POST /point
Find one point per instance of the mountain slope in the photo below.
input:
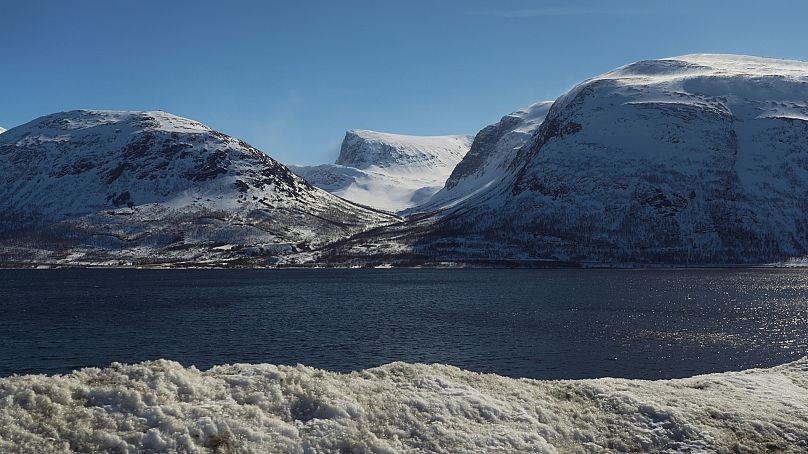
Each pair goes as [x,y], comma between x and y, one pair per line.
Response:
[388,171]
[94,186]
[491,157]
[693,159]
[2,130]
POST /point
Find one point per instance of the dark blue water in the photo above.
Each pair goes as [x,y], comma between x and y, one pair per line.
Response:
[524,323]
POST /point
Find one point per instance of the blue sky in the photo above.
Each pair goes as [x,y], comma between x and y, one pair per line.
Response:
[290,77]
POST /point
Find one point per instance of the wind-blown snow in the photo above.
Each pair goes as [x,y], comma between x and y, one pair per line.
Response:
[388,171]
[162,407]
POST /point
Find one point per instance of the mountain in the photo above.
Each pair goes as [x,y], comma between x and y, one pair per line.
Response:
[108,187]
[698,159]
[491,156]
[2,130]
[388,171]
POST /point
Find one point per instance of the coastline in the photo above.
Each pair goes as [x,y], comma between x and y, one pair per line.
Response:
[437,266]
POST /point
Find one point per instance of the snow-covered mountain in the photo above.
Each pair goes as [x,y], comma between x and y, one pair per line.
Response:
[2,129]
[388,171]
[692,159]
[491,157]
[100,186]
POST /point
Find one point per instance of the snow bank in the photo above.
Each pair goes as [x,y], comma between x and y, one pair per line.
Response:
[161,406]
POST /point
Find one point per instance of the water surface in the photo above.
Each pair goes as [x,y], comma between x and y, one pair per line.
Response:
[522,323]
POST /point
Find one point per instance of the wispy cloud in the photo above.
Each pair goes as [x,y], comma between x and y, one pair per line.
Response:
[555,11]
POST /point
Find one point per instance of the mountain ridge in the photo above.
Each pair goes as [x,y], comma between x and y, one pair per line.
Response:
[694,160]
[699,159]
[128,186]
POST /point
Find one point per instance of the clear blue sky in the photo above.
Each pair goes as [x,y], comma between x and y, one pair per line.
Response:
[291,76]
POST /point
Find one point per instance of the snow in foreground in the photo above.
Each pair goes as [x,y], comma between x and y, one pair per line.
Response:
[162,406]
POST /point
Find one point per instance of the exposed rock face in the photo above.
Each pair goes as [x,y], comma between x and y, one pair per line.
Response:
[97,186]
[388,171]
[694,159]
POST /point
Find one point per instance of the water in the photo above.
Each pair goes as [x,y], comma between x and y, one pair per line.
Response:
[522,323]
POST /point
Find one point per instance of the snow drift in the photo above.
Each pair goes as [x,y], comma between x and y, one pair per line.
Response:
[161,406]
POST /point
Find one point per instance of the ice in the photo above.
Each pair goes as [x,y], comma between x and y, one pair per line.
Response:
[161,406]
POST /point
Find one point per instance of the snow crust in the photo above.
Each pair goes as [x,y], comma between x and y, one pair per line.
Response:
[161,406]
[388,171]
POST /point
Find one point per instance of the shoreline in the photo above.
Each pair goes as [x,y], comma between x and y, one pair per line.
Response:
[529,265]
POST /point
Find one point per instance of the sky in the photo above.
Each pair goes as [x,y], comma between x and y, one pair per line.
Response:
[290,77]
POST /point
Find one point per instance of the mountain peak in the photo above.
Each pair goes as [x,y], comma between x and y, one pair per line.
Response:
[363,148]
[132,121]
[708,65]
[118,184]
[92,157]
[389,171]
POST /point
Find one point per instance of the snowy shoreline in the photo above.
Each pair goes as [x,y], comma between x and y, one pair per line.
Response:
[443,266]
[161,406]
